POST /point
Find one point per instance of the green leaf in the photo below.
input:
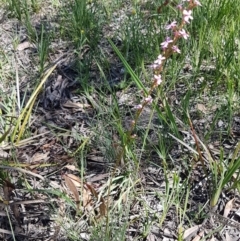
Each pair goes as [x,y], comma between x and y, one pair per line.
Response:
[128,67]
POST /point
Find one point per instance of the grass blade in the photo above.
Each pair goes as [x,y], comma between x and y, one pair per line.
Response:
[128,67]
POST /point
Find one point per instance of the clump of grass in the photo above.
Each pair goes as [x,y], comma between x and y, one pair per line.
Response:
[43,48]
[15,8]
[83,28]
[21,9]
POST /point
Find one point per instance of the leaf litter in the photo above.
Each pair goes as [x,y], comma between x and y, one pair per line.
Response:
[46,163]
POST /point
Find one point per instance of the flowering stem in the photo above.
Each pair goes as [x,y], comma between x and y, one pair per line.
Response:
[169,47]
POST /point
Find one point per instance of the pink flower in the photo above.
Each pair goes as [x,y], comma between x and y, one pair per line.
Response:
[166,43]
[148,99]
[157,79]
[138,107]
[159,59]
[176,49]
[180,6]
[183,33]
[187,15]
[157,63]
[154,66]
[172,25]
[196,2]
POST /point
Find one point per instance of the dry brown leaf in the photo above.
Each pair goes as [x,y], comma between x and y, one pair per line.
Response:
[97,177]
[213,108]
[87,199]
[199,236]
[93,191]
[71,167]
[8,187]
[15,210]
[73,189]
[48,145]
[95,158]
[30,201]
[65,158]
[5,231]
[76,180]
[22,170]
[124,197]
[191,231]
[102,205]
[37,157]
[201,108]
[228,207]
[25,45]
[76,105]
